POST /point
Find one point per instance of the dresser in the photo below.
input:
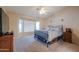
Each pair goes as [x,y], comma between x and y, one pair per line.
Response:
[6,43]
[67,36]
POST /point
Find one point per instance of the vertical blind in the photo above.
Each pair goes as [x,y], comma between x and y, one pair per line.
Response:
[28,25]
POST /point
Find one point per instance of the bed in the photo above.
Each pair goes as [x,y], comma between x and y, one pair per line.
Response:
[53,34]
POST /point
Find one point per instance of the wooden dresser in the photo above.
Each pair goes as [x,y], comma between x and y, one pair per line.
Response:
[6,43]
[67,36]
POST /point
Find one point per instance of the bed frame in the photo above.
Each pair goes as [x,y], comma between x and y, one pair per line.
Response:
[43,37]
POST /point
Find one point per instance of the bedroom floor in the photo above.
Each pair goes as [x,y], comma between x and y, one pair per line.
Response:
[29,44]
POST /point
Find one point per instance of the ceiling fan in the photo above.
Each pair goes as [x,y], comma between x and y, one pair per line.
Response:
[42,10]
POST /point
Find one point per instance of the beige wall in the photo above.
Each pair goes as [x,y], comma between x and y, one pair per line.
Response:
[43,23]
[70,16]
[13,19]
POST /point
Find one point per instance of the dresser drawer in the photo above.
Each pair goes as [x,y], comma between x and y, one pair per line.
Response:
[6,43]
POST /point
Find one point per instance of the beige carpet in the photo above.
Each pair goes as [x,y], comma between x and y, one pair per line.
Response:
[29,44]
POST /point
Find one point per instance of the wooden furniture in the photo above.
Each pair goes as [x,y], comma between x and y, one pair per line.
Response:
[6,43]
[67,36]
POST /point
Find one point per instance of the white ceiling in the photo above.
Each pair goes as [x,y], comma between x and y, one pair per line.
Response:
[32,10]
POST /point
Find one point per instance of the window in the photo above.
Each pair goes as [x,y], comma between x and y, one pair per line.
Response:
[37,25]
[28,26]
[20,25]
